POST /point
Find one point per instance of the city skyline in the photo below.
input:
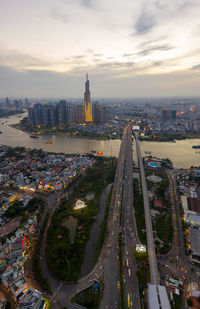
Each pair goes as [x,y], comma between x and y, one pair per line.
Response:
[129,49]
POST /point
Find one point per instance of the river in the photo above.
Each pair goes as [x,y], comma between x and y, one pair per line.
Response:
[180,153]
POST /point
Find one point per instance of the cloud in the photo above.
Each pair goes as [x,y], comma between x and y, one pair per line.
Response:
[115,65]
[86,3]
[49,84]
[56,15]
[196,67]
[145,22]
[22,61]
[154,48]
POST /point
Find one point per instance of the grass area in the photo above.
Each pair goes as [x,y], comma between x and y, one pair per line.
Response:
[164,230]
[63,257]
[139,211]
[143,275]
[88,298]
[36,267]
[122,296]
[102,233]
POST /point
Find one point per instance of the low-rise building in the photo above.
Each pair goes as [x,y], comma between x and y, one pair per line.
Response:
[18,286]
[31,299]
[2,301]
[193,220]
[194,235]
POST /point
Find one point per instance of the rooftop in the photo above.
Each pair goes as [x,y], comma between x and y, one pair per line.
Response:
[193,218]
[157,297]
[193,204]
[195,240]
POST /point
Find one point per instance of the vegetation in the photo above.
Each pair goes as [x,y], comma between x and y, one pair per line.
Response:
[177,301]
[17,208]
[189,301]
[35,203]
[48,305]
[36,267]
[75,131]
[169,137]
[102,233]
[162,220]
[139,211]
[143,275]
[164,231]
[6,113]
[8,305]
[65,258]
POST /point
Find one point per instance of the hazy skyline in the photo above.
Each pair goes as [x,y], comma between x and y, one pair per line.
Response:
[129,48]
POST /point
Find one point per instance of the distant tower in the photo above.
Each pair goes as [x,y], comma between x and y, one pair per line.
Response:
[87,102]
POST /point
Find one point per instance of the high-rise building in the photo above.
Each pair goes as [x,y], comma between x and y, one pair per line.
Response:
[87,102]
[99,113]
[173,114]
[166,115]
[79,113]
[62,112]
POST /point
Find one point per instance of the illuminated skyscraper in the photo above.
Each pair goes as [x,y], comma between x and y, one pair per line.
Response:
[87,102]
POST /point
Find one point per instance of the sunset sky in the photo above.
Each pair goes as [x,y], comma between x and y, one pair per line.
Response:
[129,48]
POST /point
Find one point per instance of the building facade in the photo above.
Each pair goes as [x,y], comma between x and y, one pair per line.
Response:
[87,102]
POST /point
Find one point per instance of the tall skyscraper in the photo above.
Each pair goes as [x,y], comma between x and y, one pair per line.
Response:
[87,102]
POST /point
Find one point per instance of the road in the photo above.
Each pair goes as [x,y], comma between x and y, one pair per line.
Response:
[111,295]
[88,262]
[149,230]
[122,205]
[107,266]
[129,229]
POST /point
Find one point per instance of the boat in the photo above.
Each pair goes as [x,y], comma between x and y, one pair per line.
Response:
[48,142]
[147,152]
[33,136]
[196,146]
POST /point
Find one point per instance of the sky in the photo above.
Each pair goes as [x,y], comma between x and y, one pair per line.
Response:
[129,48]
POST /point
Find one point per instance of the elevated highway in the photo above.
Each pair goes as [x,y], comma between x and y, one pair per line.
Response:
[121,220]
[149,230]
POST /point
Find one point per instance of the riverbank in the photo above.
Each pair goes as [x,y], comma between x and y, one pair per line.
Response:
[180,153]
[69,133]
[170,137]
[6,113]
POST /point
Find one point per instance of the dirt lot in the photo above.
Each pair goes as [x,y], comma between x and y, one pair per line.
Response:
[10,226]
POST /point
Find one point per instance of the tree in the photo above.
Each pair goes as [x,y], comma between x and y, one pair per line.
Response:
[8,305]
[189,301]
